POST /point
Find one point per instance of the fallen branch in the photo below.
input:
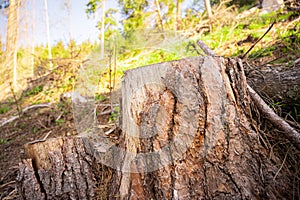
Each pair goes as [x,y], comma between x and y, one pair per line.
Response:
[41,140]
[23,111]
[243,56]
[205,48]
[290,133]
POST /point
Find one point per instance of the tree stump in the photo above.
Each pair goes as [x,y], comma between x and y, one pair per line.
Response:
[186,133]
[58,168]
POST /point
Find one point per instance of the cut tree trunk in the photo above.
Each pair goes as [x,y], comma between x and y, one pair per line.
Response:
[56,169]
[277,83]
[186,133]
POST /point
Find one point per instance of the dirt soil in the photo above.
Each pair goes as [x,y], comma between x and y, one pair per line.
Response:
[54,121]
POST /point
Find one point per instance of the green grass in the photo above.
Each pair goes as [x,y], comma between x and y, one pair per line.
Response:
[34,91]
[59,122]
[3,141]
[4,109]
[114,114]
[99,97]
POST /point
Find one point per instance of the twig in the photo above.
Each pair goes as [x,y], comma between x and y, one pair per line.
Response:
[243,56]
[16,100]
[194,47]
[205,48]
[10,195]
[107,105]
[6,184]
[36,106]
[41,140]
[281,165]
[59,116]
[110,131]
[290,133]
[106,112]
[23,111]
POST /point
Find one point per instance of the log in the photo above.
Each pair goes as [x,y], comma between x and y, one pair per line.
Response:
[281,84]
[185,133]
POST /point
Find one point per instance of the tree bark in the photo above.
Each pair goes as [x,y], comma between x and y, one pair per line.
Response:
[178,15]
[280,84]
[208,8]
[48,35]
[185,134]
[159,16]
[193,122]
[12,38]
[56,169]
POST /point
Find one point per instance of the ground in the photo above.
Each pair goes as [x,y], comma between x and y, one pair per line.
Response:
[56,120]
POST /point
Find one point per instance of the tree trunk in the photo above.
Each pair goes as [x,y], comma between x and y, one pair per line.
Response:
[33,39]
[277,83]
[208,8]
[56,169]
[178,14]
[48,35]
[102,29]
[159,16]
[185,134]
[12,38]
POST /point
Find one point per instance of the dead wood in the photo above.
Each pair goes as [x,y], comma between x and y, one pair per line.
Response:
[205,48]
[192,113]
[24,111]
[279,83]
[245,54]
[290,133]
[185,134]
[56,169]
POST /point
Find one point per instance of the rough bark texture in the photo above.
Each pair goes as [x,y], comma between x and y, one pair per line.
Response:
[278,83]
[186,134]
[194,113]
[56,169]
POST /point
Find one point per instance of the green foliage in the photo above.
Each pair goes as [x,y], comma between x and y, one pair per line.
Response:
[296,112]
[241,3]
[4,109]
[135,14]
[59,51]
[92,6]
[59,122]
[34,130]
[145,47]
[110,24]
[3,141]
[114,114]
[99,97]
[291,39]
[34,90]
[268,51]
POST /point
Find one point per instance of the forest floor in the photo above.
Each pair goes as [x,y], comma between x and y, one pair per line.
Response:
[56,118]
